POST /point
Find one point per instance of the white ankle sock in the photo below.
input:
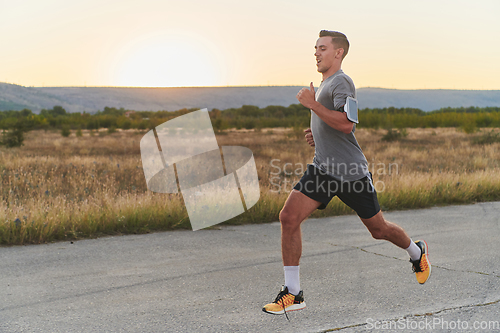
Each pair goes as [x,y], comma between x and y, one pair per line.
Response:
[414,251]
[292,279]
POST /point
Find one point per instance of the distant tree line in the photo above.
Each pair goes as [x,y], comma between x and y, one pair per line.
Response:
[15,123]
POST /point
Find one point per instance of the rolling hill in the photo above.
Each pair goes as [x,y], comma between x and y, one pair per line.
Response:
[92,99]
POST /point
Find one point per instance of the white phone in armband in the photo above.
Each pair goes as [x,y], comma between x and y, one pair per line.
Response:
[351,109]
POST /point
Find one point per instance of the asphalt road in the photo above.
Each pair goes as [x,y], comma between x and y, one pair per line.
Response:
[218,280]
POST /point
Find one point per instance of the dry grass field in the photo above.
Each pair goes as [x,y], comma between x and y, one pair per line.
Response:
[56,188]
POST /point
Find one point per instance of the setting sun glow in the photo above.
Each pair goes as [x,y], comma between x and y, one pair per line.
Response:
[167,60]
[155,43]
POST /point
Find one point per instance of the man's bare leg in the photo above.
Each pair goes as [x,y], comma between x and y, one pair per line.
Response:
[297,208]
[380,228]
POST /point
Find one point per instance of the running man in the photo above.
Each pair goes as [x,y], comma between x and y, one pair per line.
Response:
[339,168]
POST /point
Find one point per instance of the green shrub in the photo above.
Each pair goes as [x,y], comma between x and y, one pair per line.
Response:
[394,135]
[65,131]
[469,127]
[12,138]
[15,136]
[486,138]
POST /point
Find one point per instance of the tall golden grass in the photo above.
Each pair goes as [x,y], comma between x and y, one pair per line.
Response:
[56,188]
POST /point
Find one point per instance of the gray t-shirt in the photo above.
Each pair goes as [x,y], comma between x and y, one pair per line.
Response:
[336,153]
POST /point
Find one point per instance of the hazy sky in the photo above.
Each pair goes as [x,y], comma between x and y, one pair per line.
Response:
[394,44]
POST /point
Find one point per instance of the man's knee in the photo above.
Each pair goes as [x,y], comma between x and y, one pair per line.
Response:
[380,229]
[378,226]
[288,219]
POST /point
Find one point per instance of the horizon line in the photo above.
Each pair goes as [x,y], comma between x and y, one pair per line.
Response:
[240,86]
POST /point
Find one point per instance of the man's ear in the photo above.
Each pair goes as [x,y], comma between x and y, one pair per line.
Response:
[339,53]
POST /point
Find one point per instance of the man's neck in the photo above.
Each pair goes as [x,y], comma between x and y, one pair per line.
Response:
[332,70]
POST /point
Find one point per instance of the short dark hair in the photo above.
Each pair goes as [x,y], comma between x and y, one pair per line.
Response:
[339,40]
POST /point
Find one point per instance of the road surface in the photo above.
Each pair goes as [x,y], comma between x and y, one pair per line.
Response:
[218,280]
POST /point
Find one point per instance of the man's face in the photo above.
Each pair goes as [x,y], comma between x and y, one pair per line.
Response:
[325,53]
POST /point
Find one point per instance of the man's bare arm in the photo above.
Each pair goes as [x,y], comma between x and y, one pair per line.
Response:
[334,119]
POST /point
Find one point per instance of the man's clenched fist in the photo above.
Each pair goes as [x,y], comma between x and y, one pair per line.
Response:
[306,97]
[309,137]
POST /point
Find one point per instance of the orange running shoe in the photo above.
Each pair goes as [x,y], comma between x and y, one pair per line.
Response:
[422,266]
[285,302]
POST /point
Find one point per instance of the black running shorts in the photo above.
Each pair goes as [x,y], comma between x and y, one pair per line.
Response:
[360,194]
